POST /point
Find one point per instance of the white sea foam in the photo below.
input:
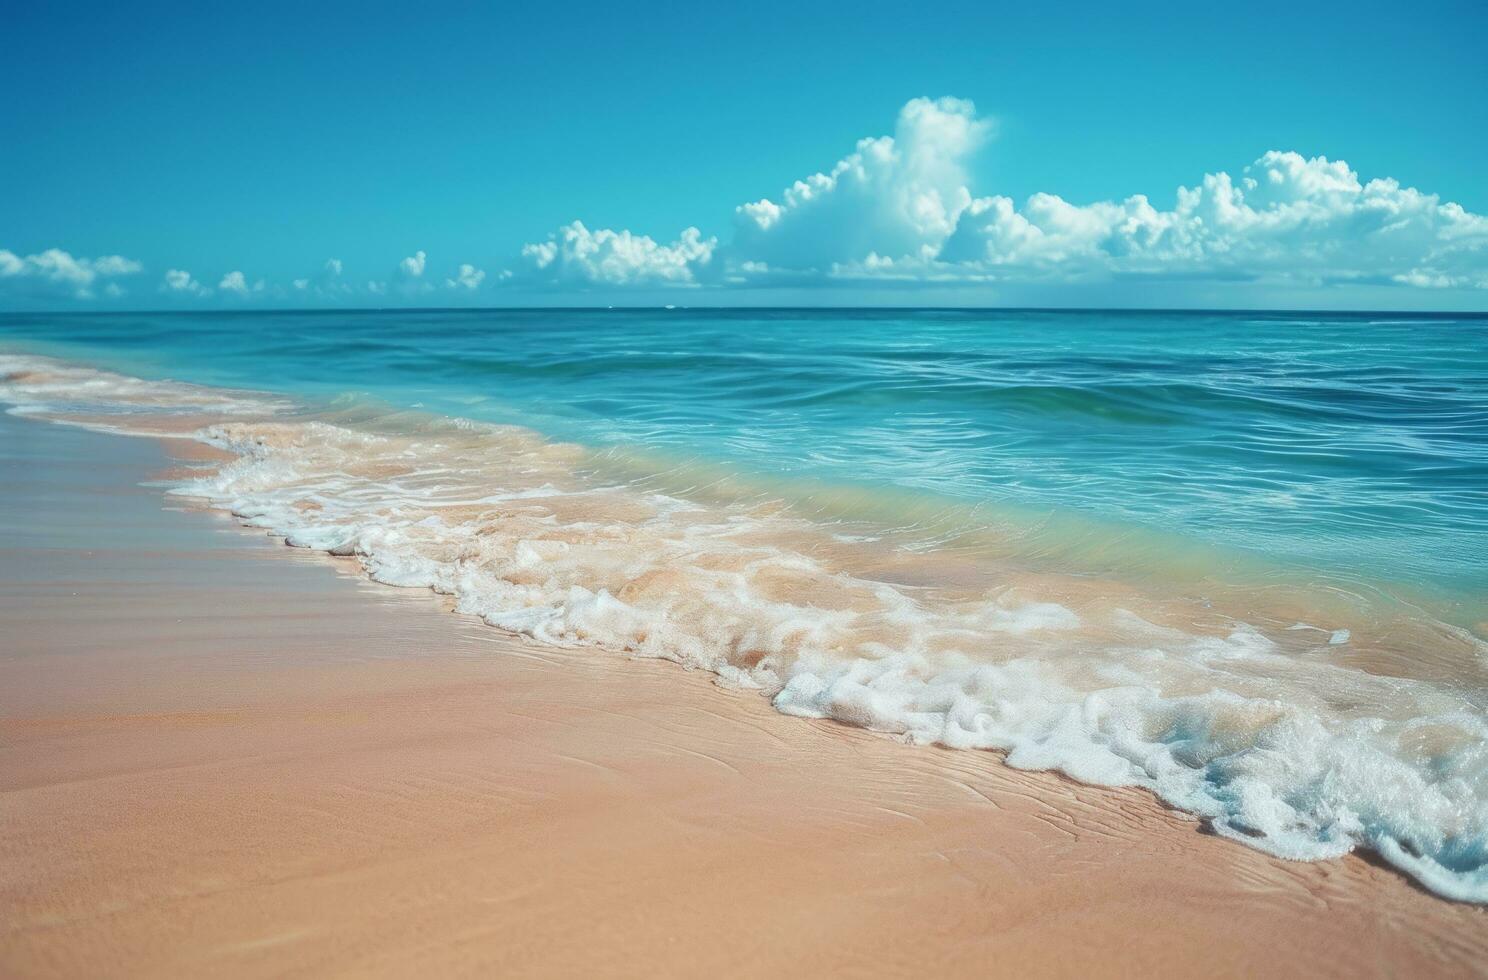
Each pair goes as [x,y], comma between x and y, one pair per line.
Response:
[1265,732]
[115,402]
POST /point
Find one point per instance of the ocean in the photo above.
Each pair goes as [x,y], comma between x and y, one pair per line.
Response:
[1240,559]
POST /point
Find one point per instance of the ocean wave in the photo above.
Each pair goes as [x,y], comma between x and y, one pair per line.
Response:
[1304,741]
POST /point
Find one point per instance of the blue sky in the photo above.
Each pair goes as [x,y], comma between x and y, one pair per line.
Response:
[325,144]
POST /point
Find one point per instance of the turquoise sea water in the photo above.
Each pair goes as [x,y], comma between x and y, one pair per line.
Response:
[1237,559]
[1336,445]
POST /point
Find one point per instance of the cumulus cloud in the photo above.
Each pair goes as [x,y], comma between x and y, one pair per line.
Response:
[407,278]
[1288,218]
[236,284]
[897,195]
[469,278]
[179,282]
[574,254]
[413,265]
[56,273]
[901,208]
[325,283]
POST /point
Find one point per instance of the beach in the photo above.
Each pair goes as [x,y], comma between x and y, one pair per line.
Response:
[221,755]
[489,492]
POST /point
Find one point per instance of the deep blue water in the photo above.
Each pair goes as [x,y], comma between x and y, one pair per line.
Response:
[1354,445]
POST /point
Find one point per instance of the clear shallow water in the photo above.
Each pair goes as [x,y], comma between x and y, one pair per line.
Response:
[1355,444]
[1234,559]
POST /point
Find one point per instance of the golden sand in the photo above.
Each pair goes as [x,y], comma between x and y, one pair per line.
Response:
[219,756]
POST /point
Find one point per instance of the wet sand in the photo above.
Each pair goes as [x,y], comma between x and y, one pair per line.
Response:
[222,756]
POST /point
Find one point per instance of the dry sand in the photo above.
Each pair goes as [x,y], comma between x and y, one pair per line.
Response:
[222,756]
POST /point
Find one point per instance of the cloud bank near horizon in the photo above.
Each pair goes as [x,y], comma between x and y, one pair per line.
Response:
[55,272]
[900,211]
[900,208]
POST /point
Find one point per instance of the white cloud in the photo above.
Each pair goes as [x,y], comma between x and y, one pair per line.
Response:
[575,254]
[55,272]
[901,208]
[413,265]
[326,283]
[894,195]
[237,284]
[115,265]
[408,278]
[469,277]
[180,282]
[1287,219]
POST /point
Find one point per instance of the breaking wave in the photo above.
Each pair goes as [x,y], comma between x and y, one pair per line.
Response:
[1299,724]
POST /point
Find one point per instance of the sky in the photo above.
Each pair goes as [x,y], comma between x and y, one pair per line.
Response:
[1270,155]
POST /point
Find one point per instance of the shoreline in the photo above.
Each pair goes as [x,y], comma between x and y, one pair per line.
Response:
[223,754]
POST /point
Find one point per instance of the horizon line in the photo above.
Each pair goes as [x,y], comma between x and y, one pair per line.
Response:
[677,308]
